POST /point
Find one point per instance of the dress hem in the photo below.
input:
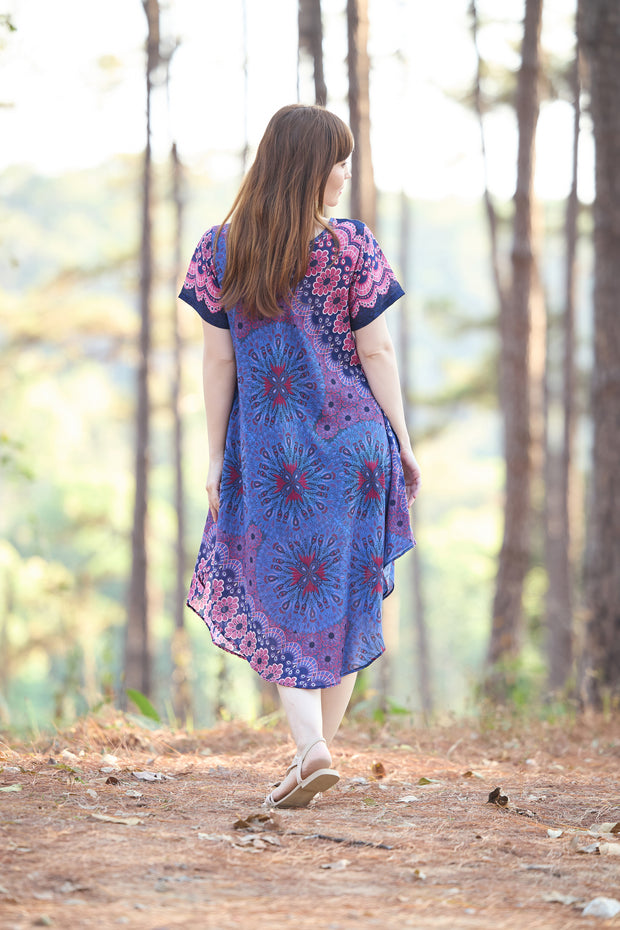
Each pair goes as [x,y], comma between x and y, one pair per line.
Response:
[275,681]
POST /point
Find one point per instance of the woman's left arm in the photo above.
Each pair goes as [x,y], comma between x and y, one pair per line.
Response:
[219,379]
[378,358]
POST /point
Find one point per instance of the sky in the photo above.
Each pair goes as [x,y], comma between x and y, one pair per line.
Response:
[72,88]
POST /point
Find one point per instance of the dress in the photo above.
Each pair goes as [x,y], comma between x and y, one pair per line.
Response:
[313,509]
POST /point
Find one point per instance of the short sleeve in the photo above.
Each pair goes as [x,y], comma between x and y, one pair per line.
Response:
[201,289]
[374,287]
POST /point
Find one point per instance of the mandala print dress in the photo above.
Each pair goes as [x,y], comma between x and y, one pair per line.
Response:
[313,507]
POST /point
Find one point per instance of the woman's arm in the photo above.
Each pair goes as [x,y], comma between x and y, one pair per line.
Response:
[378,358]
[219,379]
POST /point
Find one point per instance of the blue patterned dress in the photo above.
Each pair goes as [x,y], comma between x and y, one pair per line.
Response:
[313,509]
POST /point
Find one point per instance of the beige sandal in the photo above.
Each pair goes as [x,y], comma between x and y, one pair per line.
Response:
[306,788]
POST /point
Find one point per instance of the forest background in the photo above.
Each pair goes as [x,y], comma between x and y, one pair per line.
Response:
[103,442]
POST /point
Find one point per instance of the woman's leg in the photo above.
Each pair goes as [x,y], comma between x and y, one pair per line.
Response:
[303,708]
[334,703]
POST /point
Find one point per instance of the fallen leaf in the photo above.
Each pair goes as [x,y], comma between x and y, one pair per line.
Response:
[132,793]
[259,842]
[378,770]
[71,756]
[69,887]
[426,781]
[128,821]
[556,897]
[216,837]
[597,828]
[112,780]
[11,788]
[609,849]
[150,776]
[496,797]
[108,759]
[470,774]
[359,780]
[418,875]
[337,866]
[407,800]
[258,822]
[578,844]
[601,907]
[555,834]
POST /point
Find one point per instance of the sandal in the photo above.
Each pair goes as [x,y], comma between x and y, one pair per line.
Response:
[306,788]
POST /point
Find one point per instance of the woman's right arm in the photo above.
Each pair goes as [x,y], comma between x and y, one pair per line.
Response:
[378,358]
[219,376]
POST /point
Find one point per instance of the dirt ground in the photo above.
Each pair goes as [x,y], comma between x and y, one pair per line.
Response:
[408,838]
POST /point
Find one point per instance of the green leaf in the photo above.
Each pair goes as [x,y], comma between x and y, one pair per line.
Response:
[143,704]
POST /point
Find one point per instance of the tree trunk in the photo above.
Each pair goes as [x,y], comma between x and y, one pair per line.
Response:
[363,191]
[245,152]
[415,575]
[310,28]
[558,478]
[181,654]
[491,214]
[514,365]
[137,671]
[599,37]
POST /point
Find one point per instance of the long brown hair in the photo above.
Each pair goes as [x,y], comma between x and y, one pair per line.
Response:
[278,207]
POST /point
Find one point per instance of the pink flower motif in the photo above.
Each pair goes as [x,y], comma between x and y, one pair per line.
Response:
[336,301]
[200,601]
[326,281]
[288,682]
[341,323]
[247,646]
[237,627]
[225,608]
[218,587]
[260,660]
[273,672]
[349,342]
[317,262]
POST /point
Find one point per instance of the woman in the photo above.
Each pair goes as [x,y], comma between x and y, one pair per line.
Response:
[311,470]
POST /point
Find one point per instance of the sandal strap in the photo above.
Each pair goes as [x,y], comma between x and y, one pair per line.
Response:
[300,758]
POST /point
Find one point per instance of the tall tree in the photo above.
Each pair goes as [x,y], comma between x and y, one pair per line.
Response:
[599,37]
[137,665]
[363,191]
[310,28]
[415,574]
[515,325]
[559,458]
[182,698]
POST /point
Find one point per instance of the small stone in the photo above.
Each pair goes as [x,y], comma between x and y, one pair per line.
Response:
[601,907]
